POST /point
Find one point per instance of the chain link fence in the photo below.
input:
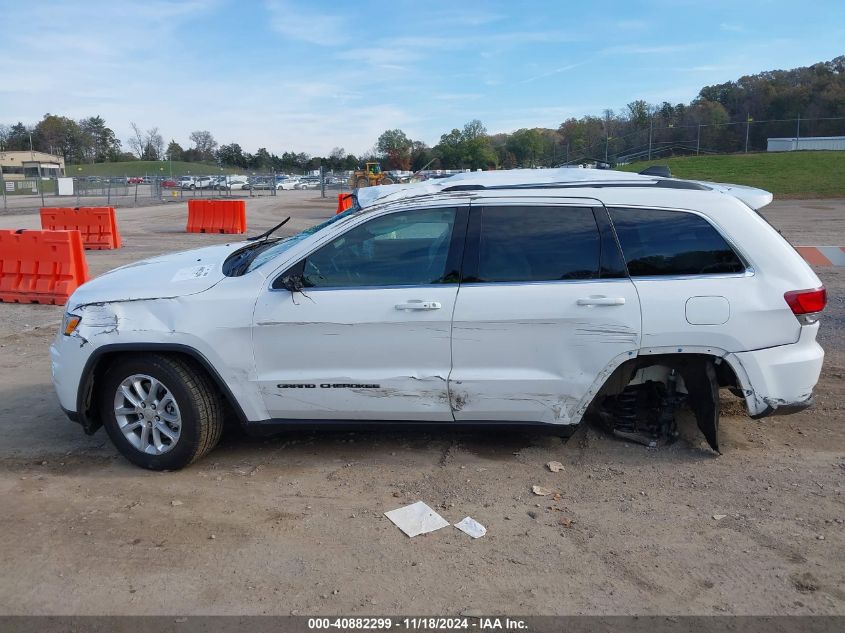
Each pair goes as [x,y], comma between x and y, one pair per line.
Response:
[655,140]
[148,190]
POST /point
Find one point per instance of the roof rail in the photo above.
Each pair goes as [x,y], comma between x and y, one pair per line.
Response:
[663,184]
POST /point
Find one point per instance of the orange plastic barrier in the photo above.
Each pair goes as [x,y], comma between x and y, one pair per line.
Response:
[97,225]
[344,202]
[41,266]
[216,216]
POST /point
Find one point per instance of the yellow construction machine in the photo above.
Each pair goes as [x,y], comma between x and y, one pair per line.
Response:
[370,176]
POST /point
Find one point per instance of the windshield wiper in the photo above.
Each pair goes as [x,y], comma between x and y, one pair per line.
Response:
[267,234]
[238,262]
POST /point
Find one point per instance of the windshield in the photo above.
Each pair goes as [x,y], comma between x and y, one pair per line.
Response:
[264,256]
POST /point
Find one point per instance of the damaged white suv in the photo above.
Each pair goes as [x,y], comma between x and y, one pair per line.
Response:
[501,297]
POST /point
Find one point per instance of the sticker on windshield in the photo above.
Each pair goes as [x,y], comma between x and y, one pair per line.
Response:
[194,272]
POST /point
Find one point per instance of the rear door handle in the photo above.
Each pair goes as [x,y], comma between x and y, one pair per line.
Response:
[601,301]
[419,305]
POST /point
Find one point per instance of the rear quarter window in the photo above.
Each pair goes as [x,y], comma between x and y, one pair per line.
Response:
[662,243]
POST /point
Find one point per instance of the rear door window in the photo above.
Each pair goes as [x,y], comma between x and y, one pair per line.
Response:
[663,243]
[527,243]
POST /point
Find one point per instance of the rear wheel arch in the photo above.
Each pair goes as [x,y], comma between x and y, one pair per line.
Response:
[625,372]
[702,375]
[99,363]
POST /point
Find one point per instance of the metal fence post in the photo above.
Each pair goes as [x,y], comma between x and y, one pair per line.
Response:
[650,132]
[136,194]
[3,185]
[747,128]
[108,200]
[322,182]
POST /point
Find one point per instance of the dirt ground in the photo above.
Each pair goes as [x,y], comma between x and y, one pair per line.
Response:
[294,524]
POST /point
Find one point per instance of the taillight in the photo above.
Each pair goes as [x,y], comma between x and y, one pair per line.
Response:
[806,301]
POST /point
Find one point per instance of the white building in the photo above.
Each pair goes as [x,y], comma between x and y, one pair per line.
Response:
[791,144]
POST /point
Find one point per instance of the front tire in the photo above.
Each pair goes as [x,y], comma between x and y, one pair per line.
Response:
[161,412]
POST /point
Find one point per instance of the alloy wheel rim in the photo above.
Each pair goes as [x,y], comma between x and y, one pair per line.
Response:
[147,414]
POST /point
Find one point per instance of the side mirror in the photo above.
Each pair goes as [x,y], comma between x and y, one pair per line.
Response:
[294,282]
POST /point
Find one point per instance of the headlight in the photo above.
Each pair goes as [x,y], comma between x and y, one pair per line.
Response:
[70,323]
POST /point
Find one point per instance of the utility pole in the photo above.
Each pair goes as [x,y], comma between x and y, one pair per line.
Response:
[698,141]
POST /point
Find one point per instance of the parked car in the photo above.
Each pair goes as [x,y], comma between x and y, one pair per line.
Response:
[308,182]
[620,295]
[169,183]
[232,183]
[262,182]
[134,180]
[187,182]
[286,182]
[205,182]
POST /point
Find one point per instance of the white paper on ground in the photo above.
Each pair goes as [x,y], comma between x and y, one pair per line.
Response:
[416,519]
[472,527]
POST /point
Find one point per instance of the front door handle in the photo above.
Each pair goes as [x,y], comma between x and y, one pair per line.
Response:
[601,301]
[418,304]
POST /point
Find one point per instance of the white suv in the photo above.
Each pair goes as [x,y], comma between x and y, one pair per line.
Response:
[531,296]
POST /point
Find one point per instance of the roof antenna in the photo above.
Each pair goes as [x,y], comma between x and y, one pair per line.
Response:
[657,170]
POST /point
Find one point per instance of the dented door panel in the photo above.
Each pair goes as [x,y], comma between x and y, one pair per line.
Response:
[351,354]
[529,350]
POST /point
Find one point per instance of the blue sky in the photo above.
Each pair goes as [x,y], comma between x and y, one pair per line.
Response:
[310,76]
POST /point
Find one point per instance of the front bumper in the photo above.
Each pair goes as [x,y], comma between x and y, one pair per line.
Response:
[68,355]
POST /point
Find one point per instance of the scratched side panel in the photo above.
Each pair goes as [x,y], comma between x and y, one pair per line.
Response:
[528,352]
[350,354]
[217,323]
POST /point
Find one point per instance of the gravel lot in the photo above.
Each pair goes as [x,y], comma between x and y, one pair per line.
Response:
[294,524]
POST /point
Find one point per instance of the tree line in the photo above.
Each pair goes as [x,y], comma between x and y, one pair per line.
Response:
[719,119]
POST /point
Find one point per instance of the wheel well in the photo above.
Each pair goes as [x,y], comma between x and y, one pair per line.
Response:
[697,377]
[625,373]
[93,379]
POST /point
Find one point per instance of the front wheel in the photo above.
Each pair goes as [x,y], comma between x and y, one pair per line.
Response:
[363,182]
[161,412]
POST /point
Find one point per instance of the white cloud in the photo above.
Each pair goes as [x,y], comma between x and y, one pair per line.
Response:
[634,49]
[380,56]
[296,21]
[549,73]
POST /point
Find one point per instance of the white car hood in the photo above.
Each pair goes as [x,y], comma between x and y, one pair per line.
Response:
[167,276]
